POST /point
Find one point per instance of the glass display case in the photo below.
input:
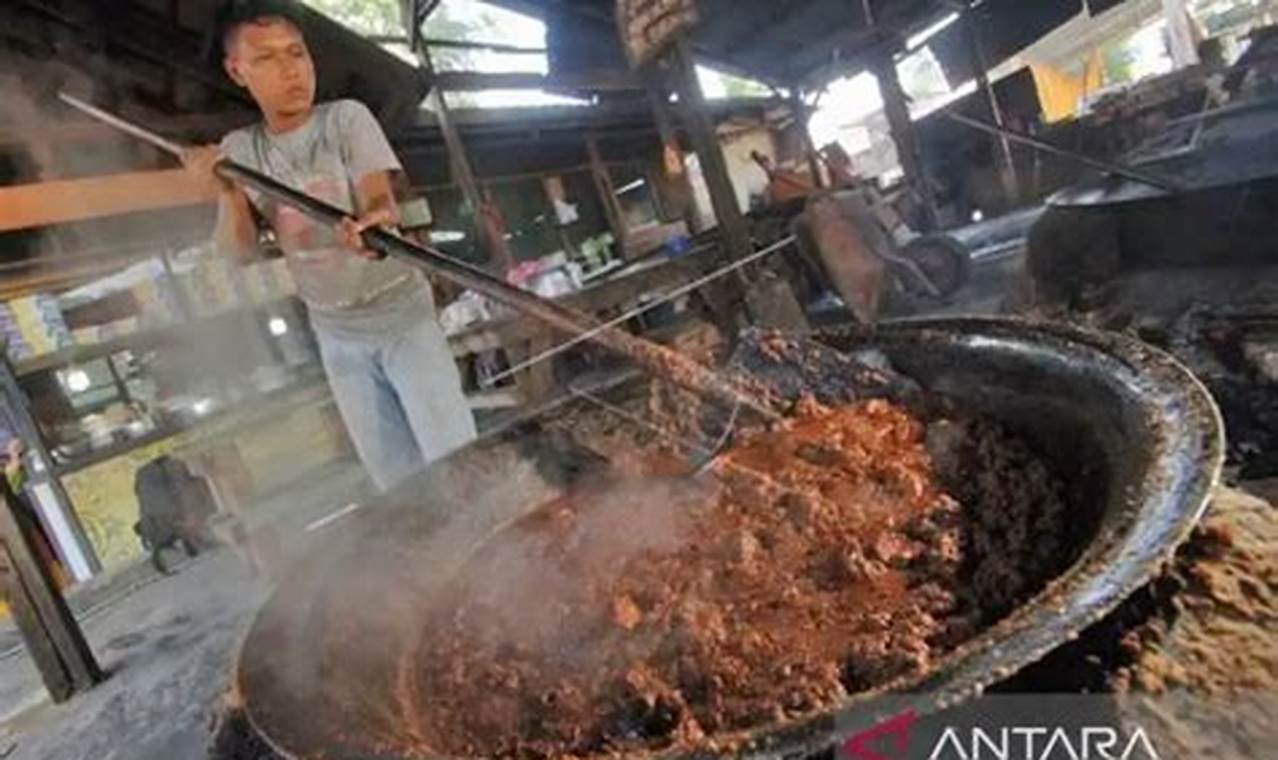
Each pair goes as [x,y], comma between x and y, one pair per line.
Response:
[94,402]
[156,349]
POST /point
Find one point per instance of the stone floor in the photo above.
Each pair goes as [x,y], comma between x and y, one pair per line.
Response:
[168,649]
[167,643]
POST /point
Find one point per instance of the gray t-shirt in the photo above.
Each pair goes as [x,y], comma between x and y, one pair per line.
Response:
[326,157]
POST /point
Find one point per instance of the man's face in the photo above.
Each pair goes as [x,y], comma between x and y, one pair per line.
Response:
[271,60]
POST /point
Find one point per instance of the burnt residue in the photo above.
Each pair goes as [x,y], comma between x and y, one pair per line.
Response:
[791,368]
[1213,341]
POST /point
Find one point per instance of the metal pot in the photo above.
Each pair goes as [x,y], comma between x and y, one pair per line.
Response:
[1134,430]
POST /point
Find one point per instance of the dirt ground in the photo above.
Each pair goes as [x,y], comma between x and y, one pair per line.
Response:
[167,649]
[1204,669]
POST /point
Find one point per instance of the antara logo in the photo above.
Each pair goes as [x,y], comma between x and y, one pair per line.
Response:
[1011,743]
[897,729]
[1042,743]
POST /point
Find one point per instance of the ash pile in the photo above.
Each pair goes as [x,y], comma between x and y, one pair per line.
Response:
[1223,325]
[1234,351]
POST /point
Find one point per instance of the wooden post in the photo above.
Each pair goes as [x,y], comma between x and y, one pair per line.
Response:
[802,116]
[652,175]
[462,172]
[732,223]
[50,631]
[897,110]
[1180,36]
[677,183]
[553,186]
[607,194]
[49,497]
[464,176]
[492,231]
[39,645]
[1007,162]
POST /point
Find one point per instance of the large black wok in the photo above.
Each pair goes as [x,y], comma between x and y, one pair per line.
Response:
[1135,433]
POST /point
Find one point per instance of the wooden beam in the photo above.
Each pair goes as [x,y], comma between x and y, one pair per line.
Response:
[506,179]
[802,118]
[601,80]
[506,119]
[1007,162]
[487,216]
[462,173]
[676,186]
[607,194]
[627,112]
[51,631]
[44,655]
[496,47]
[56,280]
[901,125]
[60,201]
[714,167]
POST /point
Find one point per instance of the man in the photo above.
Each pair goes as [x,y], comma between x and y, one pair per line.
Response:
[387,361]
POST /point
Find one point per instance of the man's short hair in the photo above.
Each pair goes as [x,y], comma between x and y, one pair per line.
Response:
[248,12]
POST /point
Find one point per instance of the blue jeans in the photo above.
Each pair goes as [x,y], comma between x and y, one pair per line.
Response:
[400,396]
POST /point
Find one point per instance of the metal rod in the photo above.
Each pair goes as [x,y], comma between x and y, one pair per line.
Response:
[1109,167]
[496,47]
[710,454]
[141,133]
[640,311]
[638,421]
[1011,184]
[655,358]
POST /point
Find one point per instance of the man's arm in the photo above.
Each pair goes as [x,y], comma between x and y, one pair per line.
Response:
[375,197]
[373,162]
[236,232]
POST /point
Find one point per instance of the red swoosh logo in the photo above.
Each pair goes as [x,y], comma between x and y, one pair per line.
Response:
[858,747]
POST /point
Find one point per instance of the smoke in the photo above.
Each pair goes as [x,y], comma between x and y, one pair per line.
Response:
[484,534]
[44,140]
[202,336]
[54,142]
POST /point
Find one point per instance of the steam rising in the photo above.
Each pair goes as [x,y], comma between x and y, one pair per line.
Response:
[518,585]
